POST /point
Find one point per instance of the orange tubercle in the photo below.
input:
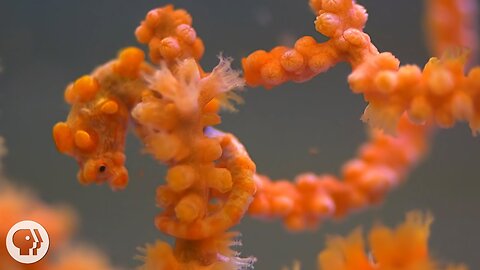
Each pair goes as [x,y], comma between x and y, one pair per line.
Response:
[109,107]
[83,140]
[82,90]
[63,137]
[129,62]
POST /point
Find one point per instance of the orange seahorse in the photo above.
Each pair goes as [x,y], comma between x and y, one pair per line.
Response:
[403,100]
[211,179]
[173,106]
[94,132]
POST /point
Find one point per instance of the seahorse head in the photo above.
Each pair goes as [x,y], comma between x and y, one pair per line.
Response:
[94,133]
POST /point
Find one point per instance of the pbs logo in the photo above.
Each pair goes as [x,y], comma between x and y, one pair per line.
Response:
[27,242]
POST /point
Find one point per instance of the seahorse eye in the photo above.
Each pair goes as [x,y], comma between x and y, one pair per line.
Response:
[102,168]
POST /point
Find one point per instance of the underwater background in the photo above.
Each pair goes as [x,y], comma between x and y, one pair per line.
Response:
[312,126]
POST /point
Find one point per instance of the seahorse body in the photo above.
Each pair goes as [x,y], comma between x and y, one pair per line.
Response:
[94,133]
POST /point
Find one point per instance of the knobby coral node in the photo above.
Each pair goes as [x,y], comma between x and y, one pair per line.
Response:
[169,35]
[381,164]
[441,93]
[173,106]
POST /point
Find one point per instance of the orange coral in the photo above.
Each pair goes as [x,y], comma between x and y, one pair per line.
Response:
[441,91]
[169,35]
[16,206]
[204,164]
[59,221]
[209,254]
[451,24]
[81,258]
[381,165]
[211,179]
[406,247]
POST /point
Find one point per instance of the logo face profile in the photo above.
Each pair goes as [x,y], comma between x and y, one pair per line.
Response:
[27,242]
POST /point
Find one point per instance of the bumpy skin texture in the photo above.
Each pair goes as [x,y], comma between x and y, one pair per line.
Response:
[211,180]
[173,106]
[94,132]
[205,164]
[441,92]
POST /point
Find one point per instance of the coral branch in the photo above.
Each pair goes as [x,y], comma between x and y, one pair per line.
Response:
[59,221]
[380,166]
[341,21]
[208,254]
[441,92]
[209,184]
[211,180]
[405,247]
[451,24]
[204,165]
[169,35]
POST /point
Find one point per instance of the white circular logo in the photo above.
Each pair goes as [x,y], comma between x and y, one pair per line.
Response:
[27,242]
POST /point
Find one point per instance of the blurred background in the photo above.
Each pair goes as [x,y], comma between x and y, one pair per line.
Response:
[313,126]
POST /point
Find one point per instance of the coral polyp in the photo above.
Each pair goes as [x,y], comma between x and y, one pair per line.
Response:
[172,103]
[382,164]
[405,247]
[442,92]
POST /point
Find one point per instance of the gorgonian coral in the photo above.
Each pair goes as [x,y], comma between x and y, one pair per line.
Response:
[18,204]
[405,247]
[451,24]
[441,92]
[380,166]
[211,182]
